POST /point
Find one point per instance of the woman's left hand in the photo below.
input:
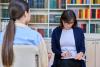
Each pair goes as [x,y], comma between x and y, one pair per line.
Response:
[49,56]
[79,56]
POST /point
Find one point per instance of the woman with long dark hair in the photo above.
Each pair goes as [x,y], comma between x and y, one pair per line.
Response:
[17,32]
[68,42]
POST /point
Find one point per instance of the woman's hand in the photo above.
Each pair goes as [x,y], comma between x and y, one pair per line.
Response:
[49,56]
[79,56]
[65,54]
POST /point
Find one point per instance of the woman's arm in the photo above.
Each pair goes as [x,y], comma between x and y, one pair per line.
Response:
[54,44]
[82,39]
[80,55]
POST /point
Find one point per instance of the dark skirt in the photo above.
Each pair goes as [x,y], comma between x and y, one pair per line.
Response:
[67,63]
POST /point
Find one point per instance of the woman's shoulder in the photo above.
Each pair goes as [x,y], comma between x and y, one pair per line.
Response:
[35,33]
[78,29]
[27,30]
[57,28]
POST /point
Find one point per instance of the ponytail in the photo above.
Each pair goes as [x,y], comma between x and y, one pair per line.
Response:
[7,46]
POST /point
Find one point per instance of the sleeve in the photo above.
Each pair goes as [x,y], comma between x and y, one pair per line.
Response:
[54,44]
[82,42]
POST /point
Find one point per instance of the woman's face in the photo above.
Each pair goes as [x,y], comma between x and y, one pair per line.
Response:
[68,25]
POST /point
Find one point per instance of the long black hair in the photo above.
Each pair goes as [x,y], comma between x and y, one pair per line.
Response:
[17,9]
[67,16]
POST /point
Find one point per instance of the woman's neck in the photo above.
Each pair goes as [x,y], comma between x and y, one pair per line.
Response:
[67,28]
[20,21]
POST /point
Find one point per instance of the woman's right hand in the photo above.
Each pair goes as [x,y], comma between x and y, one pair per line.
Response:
[49,56]
[65,54]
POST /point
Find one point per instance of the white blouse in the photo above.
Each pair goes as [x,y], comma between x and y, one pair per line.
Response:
[67,43]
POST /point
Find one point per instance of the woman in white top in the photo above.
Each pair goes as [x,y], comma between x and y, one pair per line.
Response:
[68,42]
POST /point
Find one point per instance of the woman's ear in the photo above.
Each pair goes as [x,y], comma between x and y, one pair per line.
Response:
[25,14]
